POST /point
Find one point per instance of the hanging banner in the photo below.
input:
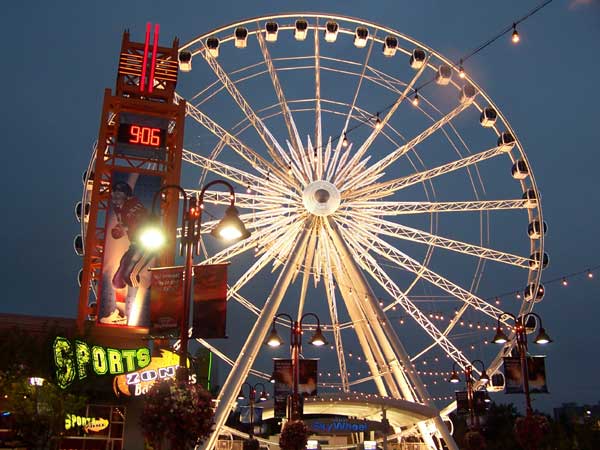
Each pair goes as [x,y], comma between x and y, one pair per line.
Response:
[166,300]
[479,402]
[462,402]
[284,382]
[307,380]
[245,414]
[124,297]
[210,301]
[513,375]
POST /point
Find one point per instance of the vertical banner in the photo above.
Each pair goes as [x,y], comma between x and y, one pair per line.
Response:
[124,298]
[282,373]
[284,382]
[166,300]
[210,301]
[462,402]
[513,375]
[256,414]
[479,403]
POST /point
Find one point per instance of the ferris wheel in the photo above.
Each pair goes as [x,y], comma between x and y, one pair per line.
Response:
[383,188]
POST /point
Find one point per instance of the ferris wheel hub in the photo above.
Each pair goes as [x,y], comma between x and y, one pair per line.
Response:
[321,198]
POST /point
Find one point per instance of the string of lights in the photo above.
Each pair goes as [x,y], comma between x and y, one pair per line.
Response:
[515,38]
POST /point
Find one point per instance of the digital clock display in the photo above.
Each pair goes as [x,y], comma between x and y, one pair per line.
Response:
[144,135]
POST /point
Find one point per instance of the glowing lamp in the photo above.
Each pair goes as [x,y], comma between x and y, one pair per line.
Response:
[230,228]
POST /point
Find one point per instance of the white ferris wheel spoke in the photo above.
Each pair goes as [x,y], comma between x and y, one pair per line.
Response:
[369,264]
[318,125]
[264,259]
[307,257]
[272,231]
[380,226]
[389,187]
[376,130]
[283,253]
[391,208]
[242,200]
[400,151]
[333,314]
[225,138]
[238,176]
[406,262]
[287,115]
[253,219]
[237,96]
[346,152]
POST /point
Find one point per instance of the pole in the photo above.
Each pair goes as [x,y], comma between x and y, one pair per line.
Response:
[252,393]
[469,380]
[522,346]
[182,371]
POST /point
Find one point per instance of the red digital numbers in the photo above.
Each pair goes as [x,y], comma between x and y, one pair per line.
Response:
[144,135]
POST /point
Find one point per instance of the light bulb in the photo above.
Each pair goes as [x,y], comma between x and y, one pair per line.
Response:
[515,35]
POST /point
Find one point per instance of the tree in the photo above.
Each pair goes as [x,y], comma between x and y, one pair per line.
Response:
[37,411]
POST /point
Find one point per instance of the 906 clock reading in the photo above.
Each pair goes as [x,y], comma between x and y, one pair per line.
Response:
[130,133]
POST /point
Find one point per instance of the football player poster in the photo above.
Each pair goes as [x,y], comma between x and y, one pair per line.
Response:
[125,283]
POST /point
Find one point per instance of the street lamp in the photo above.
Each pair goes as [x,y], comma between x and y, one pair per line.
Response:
[468,373]
[274,340]
[520,332]
[152,237]
[252,400]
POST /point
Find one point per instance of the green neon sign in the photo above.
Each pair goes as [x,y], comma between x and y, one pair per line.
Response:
[74,359]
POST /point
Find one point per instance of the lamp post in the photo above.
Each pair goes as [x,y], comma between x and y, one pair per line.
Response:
[468,373]
[152,238]
[520,333]
[274,340]
[252,400]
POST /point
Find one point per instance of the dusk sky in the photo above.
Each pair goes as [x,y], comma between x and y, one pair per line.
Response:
[60,56]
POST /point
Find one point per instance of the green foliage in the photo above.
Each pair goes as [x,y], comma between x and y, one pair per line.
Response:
[178,413]
[294,436]
[498,429]
[38,412]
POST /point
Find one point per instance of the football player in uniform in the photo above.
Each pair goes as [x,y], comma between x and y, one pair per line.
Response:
[130,214]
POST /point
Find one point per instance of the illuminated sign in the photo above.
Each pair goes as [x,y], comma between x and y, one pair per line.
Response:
[88,423]
[74,359]
[139,382]
[130,133]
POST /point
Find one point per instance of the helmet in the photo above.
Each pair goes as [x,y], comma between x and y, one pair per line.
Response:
[121,186]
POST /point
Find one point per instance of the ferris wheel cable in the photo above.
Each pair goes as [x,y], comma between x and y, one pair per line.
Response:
[356,92]
[380,226]
[399,152]
[289,120]
[249,243]
[396,256]
[251,220]
[333,314]
[318,125]
[238,176]
[369,264]
[394,208]
[375,132]
[387,188]
[239,99]
[242,200]
[252,157]
[264,259]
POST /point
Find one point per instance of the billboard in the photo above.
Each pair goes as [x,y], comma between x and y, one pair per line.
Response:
[124,298]
[513,375]
[210,301]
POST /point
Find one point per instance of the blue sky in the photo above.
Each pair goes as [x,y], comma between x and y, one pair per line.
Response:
[59,57]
